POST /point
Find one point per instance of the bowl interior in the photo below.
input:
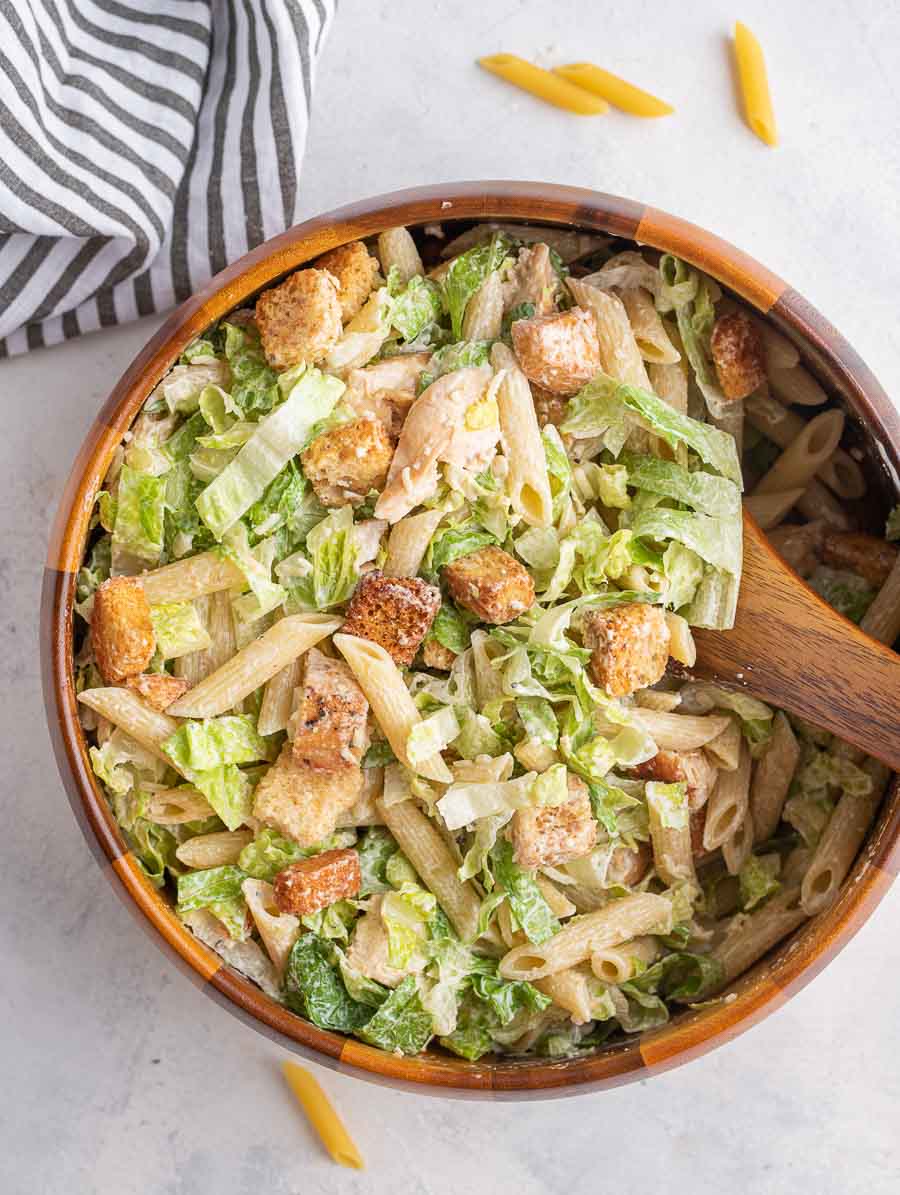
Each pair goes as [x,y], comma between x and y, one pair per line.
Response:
[876,431]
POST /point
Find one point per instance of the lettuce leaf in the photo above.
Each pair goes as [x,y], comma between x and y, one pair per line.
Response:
[405,916]
[892,527]
[140,515]
[254,384]
[228,790]
[717,540]
[705,492]
[473,1036]
[334,550]
[178,629]
[454,356]
[758,880]
[314,987]
[269,853]
[229,739]
[465,275]
[450,543]
[450,629]
[374,850]
[199,889]
[537,716]
[559,468]
[415,306]
[505,997]
[431,735]
[678,976]
[401,1023]
[526,902]
[278,437]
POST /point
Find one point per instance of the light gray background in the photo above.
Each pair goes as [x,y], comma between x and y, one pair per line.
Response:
[116,1075]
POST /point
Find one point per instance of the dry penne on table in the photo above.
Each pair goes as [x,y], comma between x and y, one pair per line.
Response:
[381,652]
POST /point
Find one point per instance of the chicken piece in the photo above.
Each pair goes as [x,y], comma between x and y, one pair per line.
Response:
[387,390]
[355,270]
[300,320]
[302,802]
[329,726]
[435,655]
[558,352]
[312,884]
[870,557]
[368,950]
[158,688]
[628,867]
[629,647]
[396,612]
[347,462]
[121,629]
[532,280]
[452,421]
[690,768]
[548,835]
[549,408]
[738,355]
[491,584]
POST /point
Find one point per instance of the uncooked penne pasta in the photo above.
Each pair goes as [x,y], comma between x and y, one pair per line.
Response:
[423,845]
[616,91]
[728,804]
[649,331]
[408,543]
[322,1116]
[527,482]
[126,710]
[213,850]
[278,698]
[397,250]
[620,920]
[191,578]
[392,706]
[805,455]
[543,84]
[770,510]
[682,732]
[754,81]
[254,665]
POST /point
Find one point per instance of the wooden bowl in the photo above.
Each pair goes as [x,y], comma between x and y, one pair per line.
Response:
[767,985]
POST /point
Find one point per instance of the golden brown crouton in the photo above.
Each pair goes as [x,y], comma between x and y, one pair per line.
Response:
[330,724]
[121,630]
[547,835]
[532,280]
[549,408]
[867,555]
[158,688]
[300,320]
[738,355]
[690,768]
[629,647]
[628,866]
[355,270]
[435,655]
[396,612]
[347,462]
[491,584]
[559,352]
[303,803]
[312,884]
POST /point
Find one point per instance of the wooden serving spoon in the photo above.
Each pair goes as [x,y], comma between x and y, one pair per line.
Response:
[790,648]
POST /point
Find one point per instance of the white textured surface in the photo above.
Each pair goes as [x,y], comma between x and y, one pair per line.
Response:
[117,1075]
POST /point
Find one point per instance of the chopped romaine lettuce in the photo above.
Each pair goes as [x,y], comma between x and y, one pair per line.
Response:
[414,307]
[269,853]
[526,902]
[705,492]
[198,889]
[465,275]
[401,1023]
[759,880]
[140,515]
[375,848]
[333,549]
[431,735]
[254,384]
[178,629]
[314,987]
[232,738]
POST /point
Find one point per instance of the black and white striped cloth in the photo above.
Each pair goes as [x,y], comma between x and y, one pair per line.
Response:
[142,148]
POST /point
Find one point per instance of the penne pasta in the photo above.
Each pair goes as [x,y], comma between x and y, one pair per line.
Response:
[618,921]
[805,454]
[190,667]
[728,803]
[126,710]
[670,837]
[624,96]
[780,352]
[796,385]
[527,482]
[546,86]
[574,990]
[619,351]
[397,251]
[278,931]
[753,935]
[408,543]
[484,312]
[841,473]
[882,619]
[770,510]
[423,845]
[560,905]
[670,383]
[193,577]
[724,751]
[322,1116]
[649,331]
[176,806]
[278,698]
[818,502]
[838,847]
[681,640]
[736,849]
[254,665]
[754,80]
[619,964]
[213,850]
[392,706]
[682,732]
[772,778]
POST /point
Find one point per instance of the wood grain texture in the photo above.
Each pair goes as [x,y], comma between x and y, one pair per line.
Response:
[775,977]
[789,647]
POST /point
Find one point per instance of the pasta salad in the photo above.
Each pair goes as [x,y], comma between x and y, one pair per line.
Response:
[384,640]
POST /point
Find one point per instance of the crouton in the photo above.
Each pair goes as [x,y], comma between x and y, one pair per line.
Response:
[738,355]
[690,768]
[628,866]
[547,835]
[532,280]
[312,884]
[300,320]
[304,803]
[387,390]
[558,352]
[396,612]
[629,647]
[158,688]
[347,462]
[368,950]
[870,557]
[329,727]
[549,408]
[121,630]
[435,655]
[491,584]
[355,269]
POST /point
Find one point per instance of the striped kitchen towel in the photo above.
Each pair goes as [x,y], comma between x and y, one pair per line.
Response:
[142,148]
